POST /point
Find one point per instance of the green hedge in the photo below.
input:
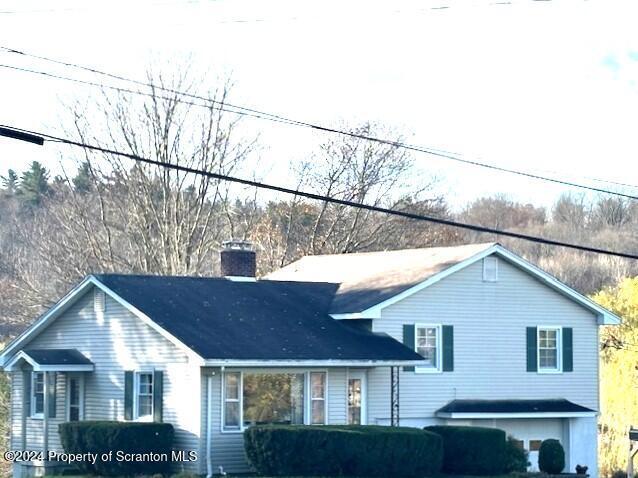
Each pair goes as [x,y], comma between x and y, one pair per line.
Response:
[332,450]
[472,450]
[102,437]
[551,457]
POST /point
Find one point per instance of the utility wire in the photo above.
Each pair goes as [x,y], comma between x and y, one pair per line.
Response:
[328,199]
[242,110]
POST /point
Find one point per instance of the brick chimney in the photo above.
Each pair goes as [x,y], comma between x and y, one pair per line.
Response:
[238,259]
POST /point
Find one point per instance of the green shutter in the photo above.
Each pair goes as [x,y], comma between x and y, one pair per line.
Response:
[51,383]
[448,348]
[532,350]
[26,390]
[128,395]
[408,341]
[158,392]
[568,349]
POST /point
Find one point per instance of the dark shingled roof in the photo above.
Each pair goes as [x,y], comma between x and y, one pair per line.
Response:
[57,357]
[512,406]
[366,279]
[263,320]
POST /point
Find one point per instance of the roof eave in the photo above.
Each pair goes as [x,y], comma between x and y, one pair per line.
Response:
[257,363]
[493,415]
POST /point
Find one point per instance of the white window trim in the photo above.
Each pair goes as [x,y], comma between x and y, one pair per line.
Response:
[136,388]
[80,378]
[559,349]
[486,260]
[239,399]
[309,399]
[307,395]
[439,348]
[33,414]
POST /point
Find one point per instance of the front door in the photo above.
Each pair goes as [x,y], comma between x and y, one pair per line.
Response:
[75,397]
[357,413]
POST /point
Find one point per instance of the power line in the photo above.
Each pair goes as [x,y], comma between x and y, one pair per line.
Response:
[251,112]
[329,199]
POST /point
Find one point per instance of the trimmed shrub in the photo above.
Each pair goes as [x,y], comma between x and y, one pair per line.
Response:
[516,457]
[551,457]
[147,446]
[472,450]
[333,450]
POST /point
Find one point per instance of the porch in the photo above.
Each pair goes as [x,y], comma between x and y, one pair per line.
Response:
[51,391]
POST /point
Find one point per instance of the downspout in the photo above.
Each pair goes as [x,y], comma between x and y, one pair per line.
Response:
[209,426]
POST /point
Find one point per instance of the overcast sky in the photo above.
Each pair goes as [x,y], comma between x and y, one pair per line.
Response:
[543,86]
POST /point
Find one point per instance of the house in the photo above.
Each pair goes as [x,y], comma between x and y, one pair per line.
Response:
[471,335]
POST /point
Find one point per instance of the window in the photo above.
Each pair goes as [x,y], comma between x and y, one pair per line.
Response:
[256,398]
[519,444]
[318,398]
[37,394]
[354,401]
[232,381]
[273,398]
[535,445]
[428,345]
[75,392]
[99,301]
[490,269]
[549,349]
[144,395]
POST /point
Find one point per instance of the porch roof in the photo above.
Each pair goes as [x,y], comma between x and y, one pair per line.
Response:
[53,360]
[513,409]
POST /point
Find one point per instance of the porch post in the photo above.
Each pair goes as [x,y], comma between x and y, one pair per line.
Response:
[45,440]
[394,396]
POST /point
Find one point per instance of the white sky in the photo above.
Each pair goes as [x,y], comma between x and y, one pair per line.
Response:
[548,86]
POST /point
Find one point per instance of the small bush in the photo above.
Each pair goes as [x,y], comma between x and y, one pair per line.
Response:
[551,457]
[355,450]
[472,450]
[102,437]
[516,458]
[619,474]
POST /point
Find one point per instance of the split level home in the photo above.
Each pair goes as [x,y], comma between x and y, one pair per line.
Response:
[467,335]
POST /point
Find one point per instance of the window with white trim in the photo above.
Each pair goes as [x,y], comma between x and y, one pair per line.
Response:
[232,383]
[428,344]
[549,345]
[144,395]
[317,398]
[37,394]
[260,397]
[490,269]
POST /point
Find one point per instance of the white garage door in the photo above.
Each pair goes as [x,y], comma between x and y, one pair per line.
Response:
[531,432]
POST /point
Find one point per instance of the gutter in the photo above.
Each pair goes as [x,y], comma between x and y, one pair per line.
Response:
[311,363]
[209,426]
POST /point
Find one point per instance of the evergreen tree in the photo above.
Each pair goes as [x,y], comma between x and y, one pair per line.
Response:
[82,181]
[34,184]
[10,182]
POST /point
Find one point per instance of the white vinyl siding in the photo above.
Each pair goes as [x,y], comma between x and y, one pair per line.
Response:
[116,342]
[490,320]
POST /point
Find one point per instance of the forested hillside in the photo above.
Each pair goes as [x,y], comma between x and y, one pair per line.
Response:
[53,231]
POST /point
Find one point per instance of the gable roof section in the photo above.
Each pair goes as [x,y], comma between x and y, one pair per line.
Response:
[369,278]
[371,281]
[253,320]
[220,321]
